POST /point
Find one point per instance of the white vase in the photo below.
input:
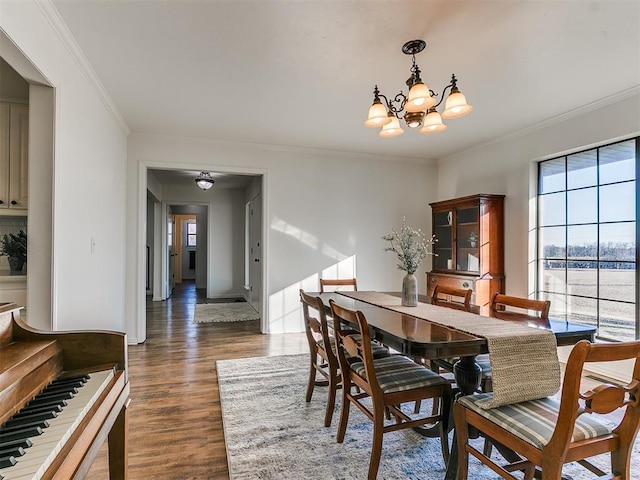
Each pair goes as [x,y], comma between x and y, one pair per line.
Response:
[409,290]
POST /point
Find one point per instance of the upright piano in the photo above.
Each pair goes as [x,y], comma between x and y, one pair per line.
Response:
[62,394]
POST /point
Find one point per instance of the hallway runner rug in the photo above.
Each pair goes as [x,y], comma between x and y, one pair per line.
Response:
[272,433]
[224,312]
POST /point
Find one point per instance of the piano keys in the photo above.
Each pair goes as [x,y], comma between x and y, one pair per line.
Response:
[61,395]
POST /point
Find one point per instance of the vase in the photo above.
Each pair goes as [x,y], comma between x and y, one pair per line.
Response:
[409,290]
[16,265]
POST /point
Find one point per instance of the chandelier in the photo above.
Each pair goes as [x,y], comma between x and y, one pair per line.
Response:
[205,181]
[419,108]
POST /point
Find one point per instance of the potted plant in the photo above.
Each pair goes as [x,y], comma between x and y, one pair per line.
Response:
[473,239]
[410,247]
[14,246]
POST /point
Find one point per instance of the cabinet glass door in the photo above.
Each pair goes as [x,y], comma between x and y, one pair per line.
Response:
[443,248]
[467,240]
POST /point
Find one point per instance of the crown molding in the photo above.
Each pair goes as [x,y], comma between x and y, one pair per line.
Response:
[589,107]
[286,148]
[60,28]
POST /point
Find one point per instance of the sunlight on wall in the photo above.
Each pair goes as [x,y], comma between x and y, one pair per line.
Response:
[344,269]
[285,312]
[306,238]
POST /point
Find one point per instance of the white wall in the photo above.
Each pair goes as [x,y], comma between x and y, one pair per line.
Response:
[89,174]
[505,167]
[321,209]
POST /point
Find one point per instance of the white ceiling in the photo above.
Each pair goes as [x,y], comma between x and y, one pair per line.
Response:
[301,73]
[187,178]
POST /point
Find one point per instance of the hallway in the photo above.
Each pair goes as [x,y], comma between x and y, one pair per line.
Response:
[175,421]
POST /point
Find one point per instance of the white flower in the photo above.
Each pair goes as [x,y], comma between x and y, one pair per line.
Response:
[409,245]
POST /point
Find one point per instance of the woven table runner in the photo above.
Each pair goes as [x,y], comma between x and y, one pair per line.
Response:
[524,360]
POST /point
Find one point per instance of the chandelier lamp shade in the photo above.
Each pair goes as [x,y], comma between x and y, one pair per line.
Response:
[419,107]
[205,181]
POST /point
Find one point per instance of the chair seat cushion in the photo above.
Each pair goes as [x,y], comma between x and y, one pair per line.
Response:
[398,374]
[378,350]
[534,421]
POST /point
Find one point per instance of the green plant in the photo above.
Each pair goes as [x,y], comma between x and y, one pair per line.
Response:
[14,245]
[409,245]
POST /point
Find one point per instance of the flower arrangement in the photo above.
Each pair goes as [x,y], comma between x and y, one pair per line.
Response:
[410,246]
[14,245]
[473,237]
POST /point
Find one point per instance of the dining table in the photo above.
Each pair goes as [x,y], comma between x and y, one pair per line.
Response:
[425,339]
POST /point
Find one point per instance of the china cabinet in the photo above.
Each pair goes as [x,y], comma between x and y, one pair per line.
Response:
[469,251]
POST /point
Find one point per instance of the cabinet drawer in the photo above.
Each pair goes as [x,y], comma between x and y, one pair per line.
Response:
[455,281]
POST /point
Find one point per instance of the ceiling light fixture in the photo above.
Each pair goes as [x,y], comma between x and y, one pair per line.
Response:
[418,108]
[205,181]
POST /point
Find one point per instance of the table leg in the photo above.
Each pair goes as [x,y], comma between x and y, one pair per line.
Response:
[468,375]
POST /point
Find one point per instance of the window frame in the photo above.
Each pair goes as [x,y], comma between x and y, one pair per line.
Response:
[598,261]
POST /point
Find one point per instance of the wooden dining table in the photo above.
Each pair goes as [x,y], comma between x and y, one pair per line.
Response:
[422,339]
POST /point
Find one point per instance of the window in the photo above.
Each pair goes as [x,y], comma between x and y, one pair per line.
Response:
[587,238]
[191,234]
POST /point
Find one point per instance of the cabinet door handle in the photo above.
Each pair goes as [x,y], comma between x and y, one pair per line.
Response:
[13,202]
[434,280]
[465,284]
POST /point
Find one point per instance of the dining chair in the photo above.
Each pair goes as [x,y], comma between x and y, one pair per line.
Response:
[338,284]
[517,309]
[452,297]
[384,385]
[323,359]
[547,434]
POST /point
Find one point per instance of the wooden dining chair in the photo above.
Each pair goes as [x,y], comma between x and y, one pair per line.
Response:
[384,385]
[322,349]
[338,284]
[452,297]
[457,299]
[548,434]
[516,309]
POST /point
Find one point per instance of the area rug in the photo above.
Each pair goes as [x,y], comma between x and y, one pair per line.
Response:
[224,312]
[272,433]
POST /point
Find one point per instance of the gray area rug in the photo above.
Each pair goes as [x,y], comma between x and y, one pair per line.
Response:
[224,312]
[272,433]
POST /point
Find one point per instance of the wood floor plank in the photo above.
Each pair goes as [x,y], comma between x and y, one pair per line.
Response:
[175,421]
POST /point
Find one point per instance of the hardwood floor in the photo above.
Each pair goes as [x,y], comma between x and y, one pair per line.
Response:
[175,421]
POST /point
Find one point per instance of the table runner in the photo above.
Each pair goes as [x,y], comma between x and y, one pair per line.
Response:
[524,360]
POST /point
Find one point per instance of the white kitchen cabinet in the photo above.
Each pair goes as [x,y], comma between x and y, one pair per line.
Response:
[14,157]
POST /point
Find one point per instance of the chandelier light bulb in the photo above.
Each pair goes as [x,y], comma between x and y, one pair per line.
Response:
[456,105]
[433,122]
[391,129]
[419,98]
[377,115]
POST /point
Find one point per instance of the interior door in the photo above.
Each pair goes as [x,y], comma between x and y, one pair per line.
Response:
[255,252]
[171,255]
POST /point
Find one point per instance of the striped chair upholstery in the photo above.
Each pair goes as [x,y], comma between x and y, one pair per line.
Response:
[534,421]
[398,373]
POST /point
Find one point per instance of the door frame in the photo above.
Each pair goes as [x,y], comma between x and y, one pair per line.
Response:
[140,294]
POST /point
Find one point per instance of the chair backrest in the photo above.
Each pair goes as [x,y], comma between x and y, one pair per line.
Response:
[604,398]
[352,336]
[451,297]
[338,283]
[315,328]
[508,307]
